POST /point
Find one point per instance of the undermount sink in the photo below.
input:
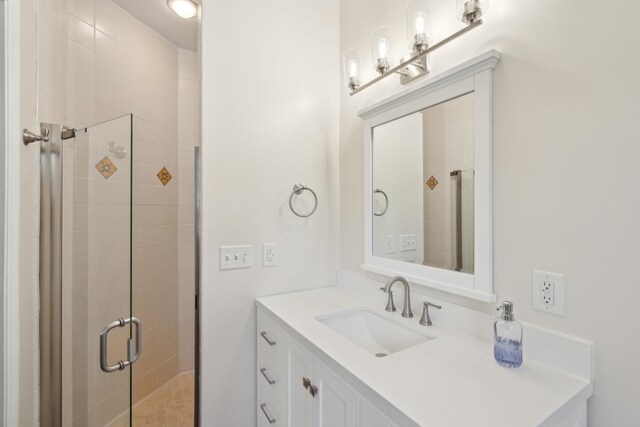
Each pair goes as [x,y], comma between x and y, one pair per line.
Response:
[373,332]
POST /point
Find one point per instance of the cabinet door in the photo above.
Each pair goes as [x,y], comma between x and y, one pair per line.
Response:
[335,404]
[299,403]
[370,417]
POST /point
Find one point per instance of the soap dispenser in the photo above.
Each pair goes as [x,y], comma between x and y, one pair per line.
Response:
[507,338]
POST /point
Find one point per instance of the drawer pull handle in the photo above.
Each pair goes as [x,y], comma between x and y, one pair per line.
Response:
[267,376]
[306,382]
[267,339]
[267,414]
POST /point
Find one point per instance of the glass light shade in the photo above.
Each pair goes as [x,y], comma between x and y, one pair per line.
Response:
[469,11]
[352,61]
[380,48]
[417,24]
[186,9]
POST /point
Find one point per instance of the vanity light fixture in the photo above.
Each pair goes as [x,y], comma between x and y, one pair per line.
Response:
[413,65]
[380,47]
[352,60]
[186,9]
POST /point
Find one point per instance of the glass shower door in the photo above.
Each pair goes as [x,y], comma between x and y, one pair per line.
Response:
[100,337]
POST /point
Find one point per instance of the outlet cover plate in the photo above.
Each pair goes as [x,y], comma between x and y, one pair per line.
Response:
[269,254]
[548,292]
[233,257]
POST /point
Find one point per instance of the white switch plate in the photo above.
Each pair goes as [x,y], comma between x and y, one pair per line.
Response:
[269,254]
[548,292]
[407,242]
[388,244]
[232,257]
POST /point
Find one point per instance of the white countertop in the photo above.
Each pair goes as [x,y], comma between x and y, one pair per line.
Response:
[452,380]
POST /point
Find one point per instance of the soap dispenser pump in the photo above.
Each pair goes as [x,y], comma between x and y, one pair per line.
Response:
[507,338]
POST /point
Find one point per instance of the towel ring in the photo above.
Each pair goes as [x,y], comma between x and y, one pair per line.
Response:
[297,190]
[386,202]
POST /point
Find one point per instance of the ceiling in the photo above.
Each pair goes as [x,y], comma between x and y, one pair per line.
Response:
[156,15]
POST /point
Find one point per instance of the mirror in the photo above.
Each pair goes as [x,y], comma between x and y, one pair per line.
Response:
[428,205]
[423,176]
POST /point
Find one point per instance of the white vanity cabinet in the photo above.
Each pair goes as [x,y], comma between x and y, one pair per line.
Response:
[300,391]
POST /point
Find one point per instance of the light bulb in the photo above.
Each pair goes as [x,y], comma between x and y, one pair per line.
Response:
[353,69]
[420,24]
[183,8]
[383,47]
[470,11]
[417,25]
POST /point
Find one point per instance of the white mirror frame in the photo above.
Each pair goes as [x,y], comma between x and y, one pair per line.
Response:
[474,76]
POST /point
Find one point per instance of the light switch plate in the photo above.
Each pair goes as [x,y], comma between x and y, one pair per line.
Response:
[548,292]
[233,257]
[269,254]
[408,242]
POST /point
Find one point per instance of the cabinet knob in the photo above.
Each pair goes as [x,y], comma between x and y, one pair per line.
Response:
[313,390]
[306,382]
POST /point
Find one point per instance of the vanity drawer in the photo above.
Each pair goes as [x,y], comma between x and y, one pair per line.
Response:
[270,338]
[270,387]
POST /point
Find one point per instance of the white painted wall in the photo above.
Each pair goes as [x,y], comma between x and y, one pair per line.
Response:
[565,159]
[397,170]
[188,138]
[26,293]
[269,119]
[3,180]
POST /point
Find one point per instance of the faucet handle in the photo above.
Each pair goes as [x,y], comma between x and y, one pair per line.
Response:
[425,319]
[390,305]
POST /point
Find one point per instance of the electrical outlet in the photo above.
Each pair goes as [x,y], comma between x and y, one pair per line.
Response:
[269,254]
[548,292]
[388,244]
[407,242]
[232,257]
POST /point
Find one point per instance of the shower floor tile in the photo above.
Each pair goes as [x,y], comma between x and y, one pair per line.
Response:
[171,405]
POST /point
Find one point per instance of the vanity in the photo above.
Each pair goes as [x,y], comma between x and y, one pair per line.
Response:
[343,356]
[319,364]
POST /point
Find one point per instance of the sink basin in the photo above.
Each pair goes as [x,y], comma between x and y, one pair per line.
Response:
[373,332]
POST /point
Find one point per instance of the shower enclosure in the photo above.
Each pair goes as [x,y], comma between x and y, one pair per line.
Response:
[109,303]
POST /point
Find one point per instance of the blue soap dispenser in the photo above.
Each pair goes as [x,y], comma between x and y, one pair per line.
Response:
[507,338]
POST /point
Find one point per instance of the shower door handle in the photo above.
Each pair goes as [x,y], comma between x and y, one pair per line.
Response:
[132,354]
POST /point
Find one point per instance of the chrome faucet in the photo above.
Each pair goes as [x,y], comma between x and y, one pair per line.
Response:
[406,311]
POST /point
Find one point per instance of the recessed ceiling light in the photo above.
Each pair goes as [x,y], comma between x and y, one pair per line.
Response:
[183,8]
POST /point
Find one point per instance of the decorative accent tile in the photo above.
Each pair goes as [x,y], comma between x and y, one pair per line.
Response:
[432,183]
[106,167]
[164,176]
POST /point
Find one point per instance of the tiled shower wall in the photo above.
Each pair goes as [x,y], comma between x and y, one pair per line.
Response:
[448,137]
[97,62]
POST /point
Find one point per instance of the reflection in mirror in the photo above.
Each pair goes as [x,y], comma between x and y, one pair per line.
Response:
[423,173]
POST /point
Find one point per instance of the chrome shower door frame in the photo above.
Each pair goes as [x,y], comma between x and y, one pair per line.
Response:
[51,277]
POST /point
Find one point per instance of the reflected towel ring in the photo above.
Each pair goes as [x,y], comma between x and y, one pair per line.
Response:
[297,190]
[386,202]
